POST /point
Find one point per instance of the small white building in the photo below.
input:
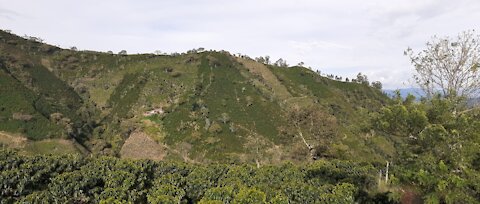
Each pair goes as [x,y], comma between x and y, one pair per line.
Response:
[156,111]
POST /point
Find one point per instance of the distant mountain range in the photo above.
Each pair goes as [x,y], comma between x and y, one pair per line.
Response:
[417,92]
[474,101]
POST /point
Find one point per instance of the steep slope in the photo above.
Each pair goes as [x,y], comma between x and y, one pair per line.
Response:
[198,107]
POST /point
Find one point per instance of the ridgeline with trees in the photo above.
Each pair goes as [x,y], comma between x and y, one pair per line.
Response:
[212,127]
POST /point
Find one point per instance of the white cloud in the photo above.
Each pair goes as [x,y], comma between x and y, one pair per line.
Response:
[339,37]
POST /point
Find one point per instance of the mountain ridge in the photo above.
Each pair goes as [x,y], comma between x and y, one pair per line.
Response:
[214,106]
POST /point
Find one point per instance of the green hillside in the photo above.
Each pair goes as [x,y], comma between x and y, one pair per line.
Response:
[211,106]
[212,127]
[215,106]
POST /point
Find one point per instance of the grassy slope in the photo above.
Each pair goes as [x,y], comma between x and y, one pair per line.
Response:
[223,90]
[33,90]
[17,99]
[348,102]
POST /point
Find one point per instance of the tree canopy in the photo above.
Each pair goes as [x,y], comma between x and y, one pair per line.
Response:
[448,65]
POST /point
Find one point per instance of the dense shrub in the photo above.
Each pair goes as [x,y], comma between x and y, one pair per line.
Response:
[73,179]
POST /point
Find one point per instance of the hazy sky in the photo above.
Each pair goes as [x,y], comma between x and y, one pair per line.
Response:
[336,37]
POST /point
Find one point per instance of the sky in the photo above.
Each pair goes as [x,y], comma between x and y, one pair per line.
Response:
[340,37]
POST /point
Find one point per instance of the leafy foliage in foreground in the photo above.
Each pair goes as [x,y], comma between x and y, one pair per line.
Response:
[73,179]
[439,147]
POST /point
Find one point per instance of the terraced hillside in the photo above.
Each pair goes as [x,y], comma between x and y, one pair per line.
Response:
[198,107]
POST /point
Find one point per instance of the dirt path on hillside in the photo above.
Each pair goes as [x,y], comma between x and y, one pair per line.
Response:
[279,90]
[270,80]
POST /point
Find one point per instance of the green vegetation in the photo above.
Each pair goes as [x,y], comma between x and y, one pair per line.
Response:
[73,179]
[211,106]
[126,94]
[228,129]
[438,143]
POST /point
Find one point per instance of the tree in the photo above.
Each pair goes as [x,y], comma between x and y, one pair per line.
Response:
[267,59]
[281,63]
[224,118]
[123,52]
[165,193]
[260,60]
[377,85]
[223,194]
[449,66]
[263,60]
[249,195]
[315,125]
[362,78]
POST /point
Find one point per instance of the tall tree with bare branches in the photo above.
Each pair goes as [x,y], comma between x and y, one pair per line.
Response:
[315,127]
[449,65]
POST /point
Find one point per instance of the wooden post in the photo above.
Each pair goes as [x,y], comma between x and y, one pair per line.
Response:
[380,177]
[386,173]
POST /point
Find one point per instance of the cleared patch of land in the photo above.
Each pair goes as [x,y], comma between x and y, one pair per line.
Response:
[12,141]
[140,146]
[51,146]
[271,80]
[47,146]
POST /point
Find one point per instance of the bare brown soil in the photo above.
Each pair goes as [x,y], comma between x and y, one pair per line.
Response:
[12,141]
[140,146]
